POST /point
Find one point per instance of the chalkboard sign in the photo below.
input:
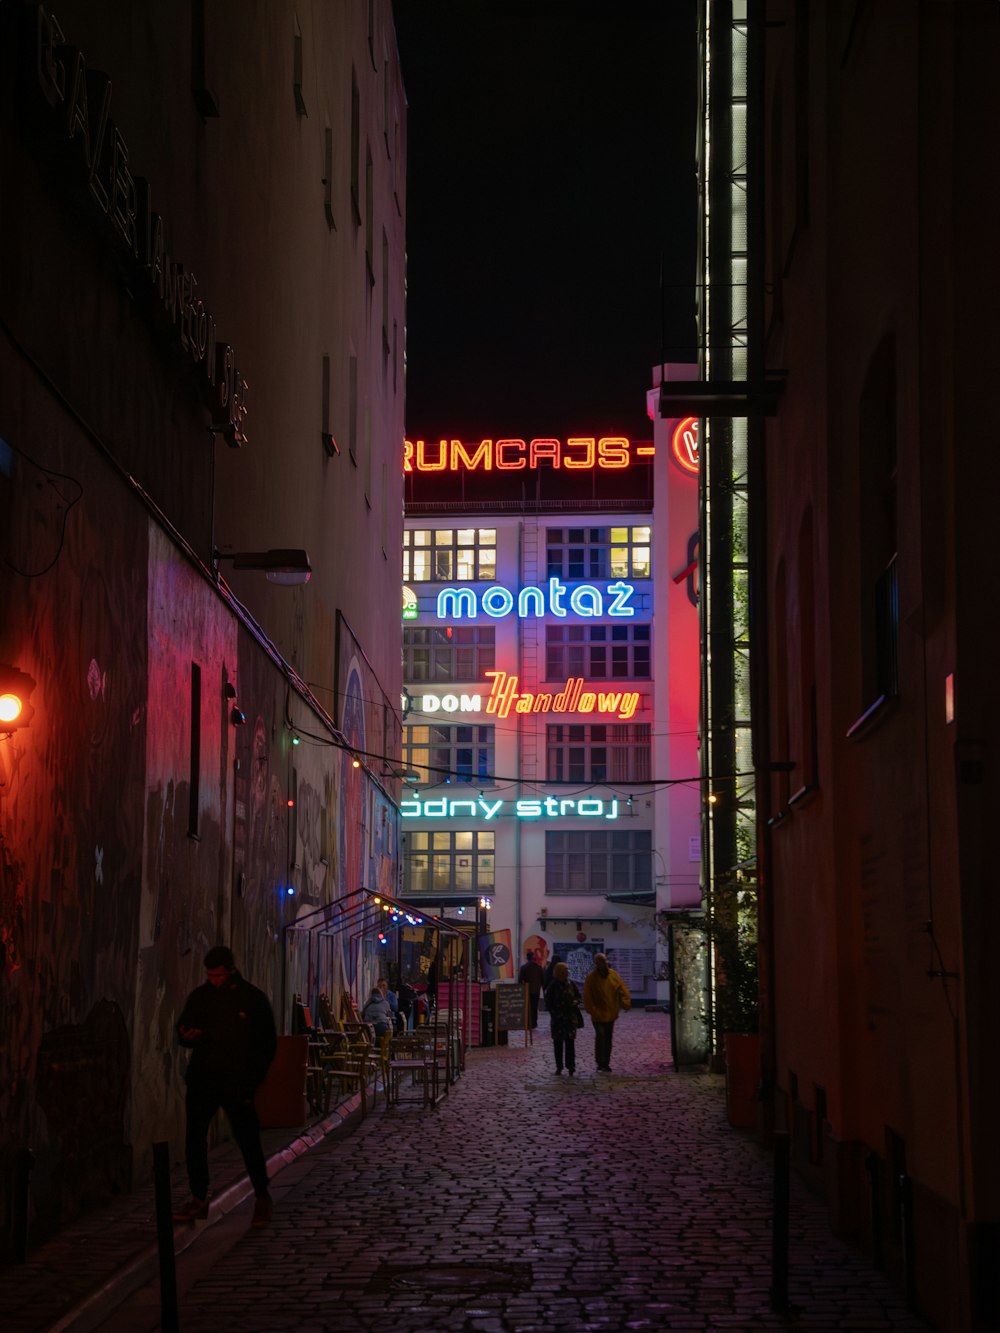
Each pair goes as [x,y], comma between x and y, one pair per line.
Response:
[513,1014]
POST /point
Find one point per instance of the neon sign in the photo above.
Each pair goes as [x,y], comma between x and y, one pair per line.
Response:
[612,453]
[574,698]
[684,445]
[545,807]
[411,607]
[504,696]
[496,601]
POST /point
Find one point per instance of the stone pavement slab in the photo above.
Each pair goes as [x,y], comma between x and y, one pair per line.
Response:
[530,1203]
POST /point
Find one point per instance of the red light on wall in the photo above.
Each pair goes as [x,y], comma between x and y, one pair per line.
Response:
[684,445]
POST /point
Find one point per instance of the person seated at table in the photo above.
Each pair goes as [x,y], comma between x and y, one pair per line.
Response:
[407,996]
[377,1012]
[393,999]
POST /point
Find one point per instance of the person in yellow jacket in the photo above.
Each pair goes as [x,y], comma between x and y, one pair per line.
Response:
[605,996]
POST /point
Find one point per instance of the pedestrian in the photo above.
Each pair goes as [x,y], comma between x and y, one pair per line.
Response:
[531,972]
[605,996]
[377,1012]
[228,1025]
[562,1000]
[393,998]
[548,974]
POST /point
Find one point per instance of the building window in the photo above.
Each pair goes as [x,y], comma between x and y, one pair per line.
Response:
[597,652]
[449,555]
[386,104]
[452,653]
[385,298]
[877,528]
[449,862]
[352,408]
[595,752]
[371,32]
[599,863]
[355,149]
[598,553]
[330,445]
[369,216]
[328,177]
[450,753]
[300,101]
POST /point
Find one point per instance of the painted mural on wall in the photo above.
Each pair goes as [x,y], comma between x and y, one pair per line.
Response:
[70,822]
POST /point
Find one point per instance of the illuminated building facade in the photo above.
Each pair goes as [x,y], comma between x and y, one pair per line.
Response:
[201,322]
[550,663]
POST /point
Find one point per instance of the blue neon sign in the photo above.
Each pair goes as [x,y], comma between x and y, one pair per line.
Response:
[586,600]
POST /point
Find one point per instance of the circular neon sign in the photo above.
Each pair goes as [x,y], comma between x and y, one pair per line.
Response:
[684,445]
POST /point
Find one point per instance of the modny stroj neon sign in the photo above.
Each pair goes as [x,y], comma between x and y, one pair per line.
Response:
[546,807]
[556,599]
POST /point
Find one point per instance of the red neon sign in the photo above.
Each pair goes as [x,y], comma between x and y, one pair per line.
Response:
[610,453]
[684,444]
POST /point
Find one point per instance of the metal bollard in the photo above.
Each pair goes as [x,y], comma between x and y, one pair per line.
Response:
[906,1234]
[165,1239]
[779,1223]
[874,1207]
[22,1181]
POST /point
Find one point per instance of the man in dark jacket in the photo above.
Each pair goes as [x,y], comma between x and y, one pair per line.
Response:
[531,972]
[229,1027]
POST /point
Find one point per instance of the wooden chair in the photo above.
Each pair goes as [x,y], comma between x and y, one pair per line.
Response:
[342,1068]
[411,1065]
[302,1025]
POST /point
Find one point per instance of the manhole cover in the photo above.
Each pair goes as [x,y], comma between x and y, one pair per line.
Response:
[475,1277]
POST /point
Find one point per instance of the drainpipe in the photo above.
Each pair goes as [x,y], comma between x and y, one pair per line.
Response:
[516,936]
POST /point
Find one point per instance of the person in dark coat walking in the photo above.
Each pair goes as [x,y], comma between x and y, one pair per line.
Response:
[562,1000]
[228,1025]
[531,972]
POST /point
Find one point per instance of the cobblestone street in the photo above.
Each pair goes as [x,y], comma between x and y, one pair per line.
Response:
[528,1202]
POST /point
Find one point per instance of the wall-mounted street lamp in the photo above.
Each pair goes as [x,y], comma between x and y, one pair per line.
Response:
[287,566]
[15,689]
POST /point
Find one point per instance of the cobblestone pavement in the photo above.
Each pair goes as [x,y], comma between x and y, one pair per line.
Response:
[526,1203]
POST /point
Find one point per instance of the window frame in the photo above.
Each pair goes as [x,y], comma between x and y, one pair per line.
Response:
[631,743]
[628,643]
[445,542]
[442,846]
[437,767]
[596,846]
[446,646]
[595,546]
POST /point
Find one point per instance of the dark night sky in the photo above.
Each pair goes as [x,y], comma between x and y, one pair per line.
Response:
[551,165]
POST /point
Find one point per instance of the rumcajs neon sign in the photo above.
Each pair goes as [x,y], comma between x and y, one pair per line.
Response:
[545,807]
[612,453]
[586,600]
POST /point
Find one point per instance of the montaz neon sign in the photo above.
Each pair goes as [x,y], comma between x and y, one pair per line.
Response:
[497,601]
[545,807]
[612,453]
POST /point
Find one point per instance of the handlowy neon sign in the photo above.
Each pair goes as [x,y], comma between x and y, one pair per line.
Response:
[504,696]
[575,698]
[496,601]
[612,453]
[545,807]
